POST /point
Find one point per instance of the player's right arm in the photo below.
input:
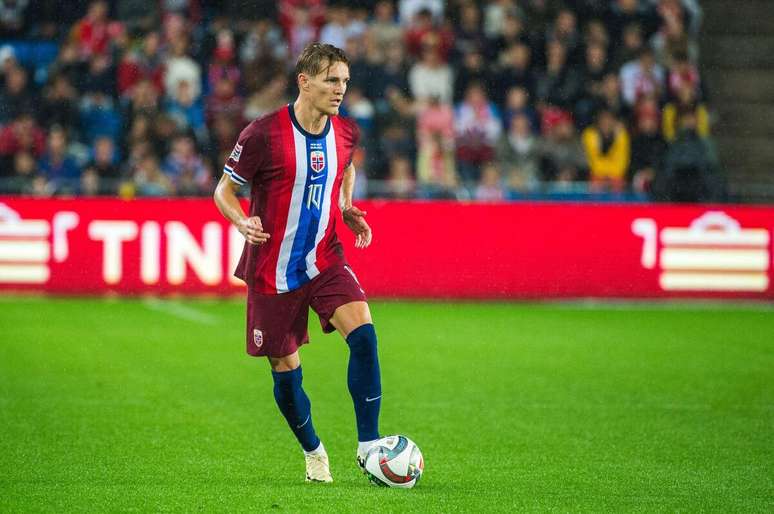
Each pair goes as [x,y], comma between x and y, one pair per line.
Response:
[228,203]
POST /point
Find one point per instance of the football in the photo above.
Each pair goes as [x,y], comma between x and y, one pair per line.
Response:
[394,461]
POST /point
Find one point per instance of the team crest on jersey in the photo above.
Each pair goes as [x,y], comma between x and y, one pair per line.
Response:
[317,160]
[236,153]
[257,337]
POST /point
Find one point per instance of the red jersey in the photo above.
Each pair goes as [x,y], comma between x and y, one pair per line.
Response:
[295,181]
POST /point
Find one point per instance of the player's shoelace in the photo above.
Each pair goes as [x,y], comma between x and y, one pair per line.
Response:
[317,469]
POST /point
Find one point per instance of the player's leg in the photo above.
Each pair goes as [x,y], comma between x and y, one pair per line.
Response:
[276,328]
[297,409]
[353,321]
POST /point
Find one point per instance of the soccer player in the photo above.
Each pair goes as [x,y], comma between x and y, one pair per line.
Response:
[298,162]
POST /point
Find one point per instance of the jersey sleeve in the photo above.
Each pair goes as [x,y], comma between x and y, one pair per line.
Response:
[355,141]
[248,158]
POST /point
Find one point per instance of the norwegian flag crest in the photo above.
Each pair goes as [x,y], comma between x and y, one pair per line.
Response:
[317,160]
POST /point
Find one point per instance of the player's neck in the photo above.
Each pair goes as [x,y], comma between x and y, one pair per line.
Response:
[310,119]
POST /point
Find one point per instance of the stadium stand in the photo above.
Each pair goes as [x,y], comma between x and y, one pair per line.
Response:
[499,99]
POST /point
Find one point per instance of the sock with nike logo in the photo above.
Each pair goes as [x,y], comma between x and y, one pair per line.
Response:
[364,381]
[295,406]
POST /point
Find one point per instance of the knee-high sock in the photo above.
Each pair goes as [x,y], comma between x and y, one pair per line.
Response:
[364,381]
[295,406]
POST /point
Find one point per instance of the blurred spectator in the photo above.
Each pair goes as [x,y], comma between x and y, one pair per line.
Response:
[685,103]
[390,80]
[138,15]
[395,140]
[648,147]
[559,84]
[608,152]
[360,109]
[496,15]
[594,71]
[511,33]
[181,67]
[225,102]
[422,31]
[59,168]
[513,70]
[188,112]
[691,172]
[431,77]
[99,117]
[25,171]
[142,64]
[90,183]
[595,33]
[518,155]
[223,65]
[92,33]
[263,54]
[384,29]
[60,104]
[672,39]
[642,77]
[469,35]
[7,60]
[612,97]
[490,188]
[472,69]
[400,182]
[22,135]
[13,19]
[477,126]
[562,158]
[104,164]
[565,31]
[409,9]
[340,27]
[632,44]
[628,13]
[69,64]
[270,97]
[100,76]
[16,96]
[436,171]
[150,180]
[517,103]
[682,73]
[301,30]
[186,169]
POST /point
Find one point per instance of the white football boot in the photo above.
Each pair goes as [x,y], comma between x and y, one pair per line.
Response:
[317,467]
[362,452]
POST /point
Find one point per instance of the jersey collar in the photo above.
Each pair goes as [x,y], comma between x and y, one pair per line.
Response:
[298,126]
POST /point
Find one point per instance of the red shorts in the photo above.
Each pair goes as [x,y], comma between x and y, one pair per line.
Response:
[277,323]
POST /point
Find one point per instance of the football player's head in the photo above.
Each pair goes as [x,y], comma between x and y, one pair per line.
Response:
[322,74]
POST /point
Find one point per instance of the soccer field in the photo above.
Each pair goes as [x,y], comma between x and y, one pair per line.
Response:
[152,405]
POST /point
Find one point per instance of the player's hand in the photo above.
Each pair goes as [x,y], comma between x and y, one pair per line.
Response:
[252,229]
[354,218]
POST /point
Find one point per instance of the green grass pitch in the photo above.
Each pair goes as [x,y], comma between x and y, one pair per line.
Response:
[152,405]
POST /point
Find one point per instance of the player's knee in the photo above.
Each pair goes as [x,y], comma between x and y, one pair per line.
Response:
[362,340]
[286,381]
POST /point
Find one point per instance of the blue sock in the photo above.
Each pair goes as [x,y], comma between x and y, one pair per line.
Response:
[364,381]
[295,406]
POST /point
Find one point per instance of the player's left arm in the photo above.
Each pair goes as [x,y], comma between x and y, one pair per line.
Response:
[353,217]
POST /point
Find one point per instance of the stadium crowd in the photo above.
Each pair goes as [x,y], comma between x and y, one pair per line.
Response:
[502,99]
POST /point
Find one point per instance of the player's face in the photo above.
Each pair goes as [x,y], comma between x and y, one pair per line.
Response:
[328,87]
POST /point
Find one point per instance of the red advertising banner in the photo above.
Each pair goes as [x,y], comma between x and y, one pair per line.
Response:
[421,250]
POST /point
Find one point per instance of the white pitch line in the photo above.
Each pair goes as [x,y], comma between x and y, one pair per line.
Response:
[181,311]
